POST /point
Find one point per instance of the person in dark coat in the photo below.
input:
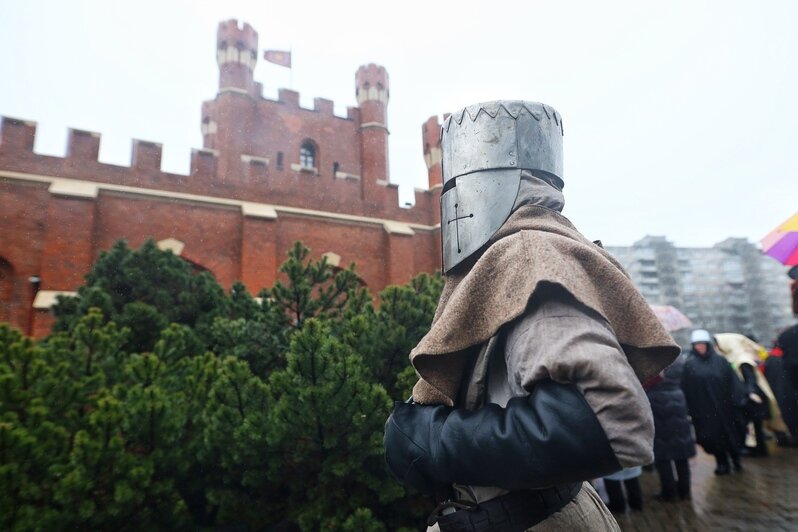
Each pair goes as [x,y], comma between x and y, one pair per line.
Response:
[714,395]
[781,368]
[786,395]
[788,342]
[673,439]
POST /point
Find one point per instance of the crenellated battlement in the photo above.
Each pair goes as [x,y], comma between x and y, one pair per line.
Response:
[17,139]
[236,44]
[254,177]
[431,139]
[204,162]
[323,106]
[288,96]
[430,136]
[371,75]
[237,56]
[146,155]
[371,84]
[83,144]
[17,134]
[235,33]
[256,149]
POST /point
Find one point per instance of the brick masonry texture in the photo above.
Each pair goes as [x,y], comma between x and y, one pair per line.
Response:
[58,214]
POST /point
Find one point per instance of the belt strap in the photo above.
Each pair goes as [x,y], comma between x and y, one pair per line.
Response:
[514,512]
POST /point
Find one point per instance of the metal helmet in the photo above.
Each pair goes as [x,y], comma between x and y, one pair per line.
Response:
[484,148]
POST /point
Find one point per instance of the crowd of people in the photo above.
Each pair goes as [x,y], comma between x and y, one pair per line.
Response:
[727,394]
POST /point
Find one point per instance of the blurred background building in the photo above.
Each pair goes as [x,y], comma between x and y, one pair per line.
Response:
[729,287]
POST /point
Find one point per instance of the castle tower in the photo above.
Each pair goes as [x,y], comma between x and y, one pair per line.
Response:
[431,137]
[236,55]
[226,119]
[372,98]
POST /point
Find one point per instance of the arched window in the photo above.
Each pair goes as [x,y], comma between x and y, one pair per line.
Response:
[307,154]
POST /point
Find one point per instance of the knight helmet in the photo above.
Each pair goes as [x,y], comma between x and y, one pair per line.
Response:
[485,147]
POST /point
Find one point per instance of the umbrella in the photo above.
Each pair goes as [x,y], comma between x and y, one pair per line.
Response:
[782,242]
[671,317]
[734,343]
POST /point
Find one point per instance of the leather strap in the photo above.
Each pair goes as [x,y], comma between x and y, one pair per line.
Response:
[513,512]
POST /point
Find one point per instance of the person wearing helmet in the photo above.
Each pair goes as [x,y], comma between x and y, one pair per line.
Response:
[530,376]
[714,396]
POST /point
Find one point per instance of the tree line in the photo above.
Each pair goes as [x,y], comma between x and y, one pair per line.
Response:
[161,401]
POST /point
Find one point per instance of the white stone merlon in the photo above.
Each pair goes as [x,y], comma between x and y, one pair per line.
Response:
[398,228]
[234,55]
[45,299]
[372,93]
[172,244]
[73,188]
[258,210]
[209,128]
[333,259]
[433,157]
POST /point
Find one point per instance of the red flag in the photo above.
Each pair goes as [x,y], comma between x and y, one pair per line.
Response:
[278,57]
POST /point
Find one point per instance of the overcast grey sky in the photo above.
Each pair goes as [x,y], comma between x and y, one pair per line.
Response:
[681,117]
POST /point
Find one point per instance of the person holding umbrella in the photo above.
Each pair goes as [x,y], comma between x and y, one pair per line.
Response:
[782,245]
[781,368]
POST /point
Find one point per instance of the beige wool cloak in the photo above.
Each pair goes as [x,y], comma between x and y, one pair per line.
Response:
[535,247]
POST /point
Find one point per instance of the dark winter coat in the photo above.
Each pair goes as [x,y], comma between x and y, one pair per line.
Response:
[788,341]
[673,439]
[714,398]
[784,392]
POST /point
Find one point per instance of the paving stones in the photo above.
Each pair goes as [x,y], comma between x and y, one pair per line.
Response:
[762,497]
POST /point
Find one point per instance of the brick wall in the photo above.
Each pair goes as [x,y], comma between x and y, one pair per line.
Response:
[237,212]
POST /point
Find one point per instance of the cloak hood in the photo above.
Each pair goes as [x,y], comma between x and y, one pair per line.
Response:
[536,247]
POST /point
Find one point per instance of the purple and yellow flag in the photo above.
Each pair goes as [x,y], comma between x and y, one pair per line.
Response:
[278,57]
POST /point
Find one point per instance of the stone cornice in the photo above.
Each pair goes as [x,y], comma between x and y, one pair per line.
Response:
[58,185]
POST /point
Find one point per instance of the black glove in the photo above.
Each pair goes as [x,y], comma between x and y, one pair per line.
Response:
[547,438]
